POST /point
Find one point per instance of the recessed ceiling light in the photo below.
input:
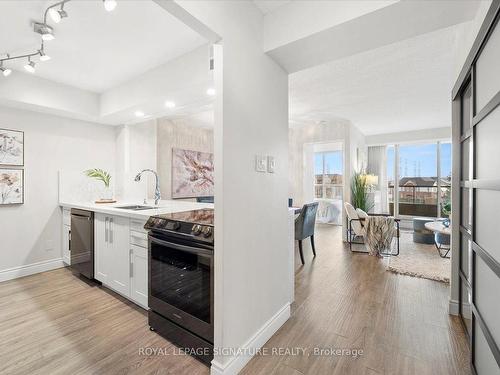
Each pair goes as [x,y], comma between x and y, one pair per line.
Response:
[109,5]
[211,92]
[139,114]
[30,66]
[169,104]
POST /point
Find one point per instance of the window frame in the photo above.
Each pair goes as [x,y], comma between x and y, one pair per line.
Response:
[396,166]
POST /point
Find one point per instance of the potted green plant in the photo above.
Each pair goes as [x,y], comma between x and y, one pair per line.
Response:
[359,192]
[105,177]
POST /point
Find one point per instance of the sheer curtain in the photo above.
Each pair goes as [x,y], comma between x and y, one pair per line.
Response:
[377,165]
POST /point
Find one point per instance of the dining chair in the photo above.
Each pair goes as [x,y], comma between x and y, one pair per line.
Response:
[304,226]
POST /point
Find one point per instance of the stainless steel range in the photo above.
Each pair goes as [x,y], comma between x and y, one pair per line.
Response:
[181,279]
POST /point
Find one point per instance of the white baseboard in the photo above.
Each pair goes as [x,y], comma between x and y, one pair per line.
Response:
[236,363]
[30,269]
[453,307]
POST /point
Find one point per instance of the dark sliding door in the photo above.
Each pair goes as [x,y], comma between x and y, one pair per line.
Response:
[476,103]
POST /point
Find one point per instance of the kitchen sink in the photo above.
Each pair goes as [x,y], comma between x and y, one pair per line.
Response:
[135,207]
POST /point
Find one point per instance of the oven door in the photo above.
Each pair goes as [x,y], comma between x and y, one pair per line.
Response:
[181,284]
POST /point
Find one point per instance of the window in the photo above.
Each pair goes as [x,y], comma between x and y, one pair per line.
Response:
[328,179]
[423,172]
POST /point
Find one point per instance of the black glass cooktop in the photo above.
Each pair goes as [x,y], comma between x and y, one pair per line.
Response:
[203,217]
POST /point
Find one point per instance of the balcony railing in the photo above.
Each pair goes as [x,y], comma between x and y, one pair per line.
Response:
[418,200]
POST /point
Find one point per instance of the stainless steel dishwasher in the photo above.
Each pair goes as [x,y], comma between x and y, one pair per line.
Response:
[82,242]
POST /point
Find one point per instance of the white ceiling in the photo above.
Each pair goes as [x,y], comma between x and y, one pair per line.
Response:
[400,87]
[95,50]
[267,6]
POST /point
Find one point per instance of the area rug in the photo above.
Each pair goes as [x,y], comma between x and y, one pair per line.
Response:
[419,260]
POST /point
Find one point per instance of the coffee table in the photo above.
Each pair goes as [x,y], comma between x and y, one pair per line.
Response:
[440,231]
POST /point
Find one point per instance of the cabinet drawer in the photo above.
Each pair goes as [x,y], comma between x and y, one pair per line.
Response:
[137,225]
[139,238]
[66,216]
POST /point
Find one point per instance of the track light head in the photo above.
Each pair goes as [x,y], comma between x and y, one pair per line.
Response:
[109,5]
[30,66]
[57,15]
[5,71]
[43,55]
[44,30]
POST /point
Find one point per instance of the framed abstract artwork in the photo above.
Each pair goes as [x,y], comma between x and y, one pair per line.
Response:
[11,147]
[192,174]
[11,186]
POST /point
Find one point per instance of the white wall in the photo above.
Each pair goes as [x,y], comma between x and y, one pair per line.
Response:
[300,138]
[251,215]
[411,136]
[467,35]
[299,19]
[27,91]
[31,232]
[136,150]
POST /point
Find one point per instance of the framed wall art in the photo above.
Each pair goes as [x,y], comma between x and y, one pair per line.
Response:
[11,148]
[192,174]
[11,186]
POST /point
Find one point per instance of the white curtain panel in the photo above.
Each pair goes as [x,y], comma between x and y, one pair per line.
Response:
[377,165]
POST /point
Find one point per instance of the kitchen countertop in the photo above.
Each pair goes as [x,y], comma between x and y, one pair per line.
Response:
[164,207]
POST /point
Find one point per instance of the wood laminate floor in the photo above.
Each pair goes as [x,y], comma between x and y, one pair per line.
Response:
[55,323]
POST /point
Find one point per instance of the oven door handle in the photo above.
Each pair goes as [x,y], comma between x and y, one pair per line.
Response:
[188,249]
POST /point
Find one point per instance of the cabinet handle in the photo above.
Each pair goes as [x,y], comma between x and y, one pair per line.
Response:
[131,264]
[105,229]
[111,230]
[69,240]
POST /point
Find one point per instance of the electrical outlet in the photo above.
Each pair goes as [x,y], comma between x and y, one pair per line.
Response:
[271,164]
[260,163]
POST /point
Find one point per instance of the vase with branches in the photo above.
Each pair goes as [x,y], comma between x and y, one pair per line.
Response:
[105,177]
[359,192]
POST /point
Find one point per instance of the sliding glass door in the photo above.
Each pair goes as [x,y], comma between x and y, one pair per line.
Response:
[419,179]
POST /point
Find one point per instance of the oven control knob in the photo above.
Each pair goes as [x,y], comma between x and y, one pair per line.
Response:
[196,229]
[206,231]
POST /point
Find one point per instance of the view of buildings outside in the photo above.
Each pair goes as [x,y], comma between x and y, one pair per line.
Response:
[328,177]
[418,178]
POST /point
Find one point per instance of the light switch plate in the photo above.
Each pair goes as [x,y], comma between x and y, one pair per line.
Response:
[270,164]
[260,163]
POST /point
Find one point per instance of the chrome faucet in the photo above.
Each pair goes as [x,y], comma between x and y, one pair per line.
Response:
[157,187]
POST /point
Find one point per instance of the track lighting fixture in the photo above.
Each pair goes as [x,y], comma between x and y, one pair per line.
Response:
[30,66]
[5,71]
[58,15]
[109,5]
[47,33]
[44,30]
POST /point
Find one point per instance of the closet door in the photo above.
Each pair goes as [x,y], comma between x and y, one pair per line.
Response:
[478,238]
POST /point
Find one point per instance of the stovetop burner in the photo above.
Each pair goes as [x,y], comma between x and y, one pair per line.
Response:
[197,225]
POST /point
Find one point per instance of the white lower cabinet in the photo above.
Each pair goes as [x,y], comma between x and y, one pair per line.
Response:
[119,263]
[111,247]
[139,275]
